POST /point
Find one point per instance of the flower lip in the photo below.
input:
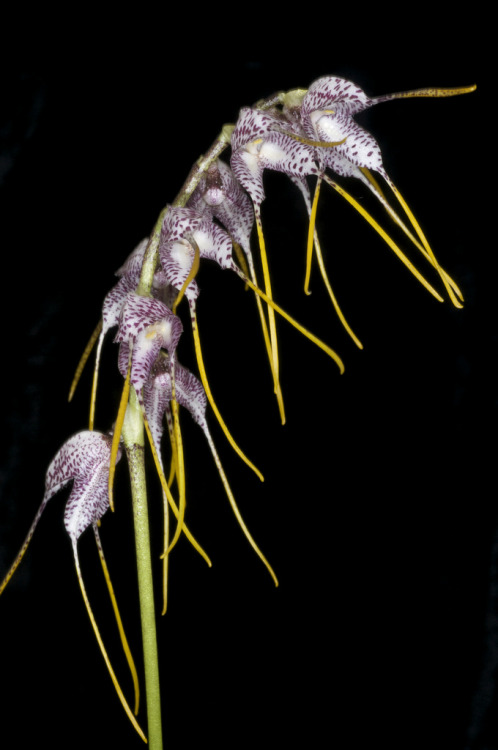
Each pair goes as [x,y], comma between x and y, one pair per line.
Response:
[326,125]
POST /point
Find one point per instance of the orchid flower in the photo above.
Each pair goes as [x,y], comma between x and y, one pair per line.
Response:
[220,195]
[129,274]
[146,326]
[320,121]
[274,140]
[190,394]
[84,459]
[326,115]
[185,237]
[259,142]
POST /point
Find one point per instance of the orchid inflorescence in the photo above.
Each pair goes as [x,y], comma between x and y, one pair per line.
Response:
[302,133]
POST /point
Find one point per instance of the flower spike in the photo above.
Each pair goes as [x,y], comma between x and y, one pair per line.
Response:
[303,134]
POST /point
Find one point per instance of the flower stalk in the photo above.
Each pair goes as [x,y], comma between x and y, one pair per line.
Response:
[133,437]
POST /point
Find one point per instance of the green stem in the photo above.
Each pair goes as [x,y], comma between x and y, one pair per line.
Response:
[133,435]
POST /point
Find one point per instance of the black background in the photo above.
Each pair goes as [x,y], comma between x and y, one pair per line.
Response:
[379,507]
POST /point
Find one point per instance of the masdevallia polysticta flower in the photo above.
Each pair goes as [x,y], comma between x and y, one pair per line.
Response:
[84,460]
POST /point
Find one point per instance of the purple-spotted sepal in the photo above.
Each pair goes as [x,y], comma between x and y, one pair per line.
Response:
[146,326]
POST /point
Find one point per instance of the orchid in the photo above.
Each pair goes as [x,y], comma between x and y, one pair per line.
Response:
[84,460]
[326,115]
[262,141]
[146,326]
[311,137]
[189,393]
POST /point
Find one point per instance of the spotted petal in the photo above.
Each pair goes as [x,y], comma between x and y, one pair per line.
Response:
[338,94]
[177,259]
[114,301]
[157,394]
[147,325]
[83,458]
[185,230]
[132,266]
[327,111]
[86,458]
[327,114]
[258,143]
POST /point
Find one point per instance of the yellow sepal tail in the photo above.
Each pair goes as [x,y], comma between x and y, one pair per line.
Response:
[180,477]
[271,315]
[387,239]
[174,507]
[114,679]
[84,359]
[119,622]
[204,380]
[444,277]
[311,336]
[123,404]
[311,236]
[235,508]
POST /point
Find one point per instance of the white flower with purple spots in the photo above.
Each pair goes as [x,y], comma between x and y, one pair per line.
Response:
[260,142]
[146,325]
[84,460]
[326,114]
[184,231]
[190,394]
[220,195]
